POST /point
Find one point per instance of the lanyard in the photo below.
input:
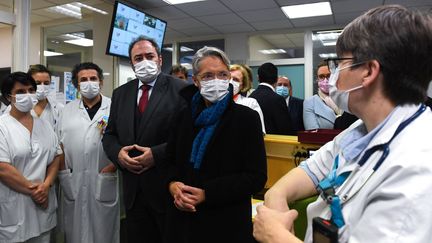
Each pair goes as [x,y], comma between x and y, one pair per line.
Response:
[327,185]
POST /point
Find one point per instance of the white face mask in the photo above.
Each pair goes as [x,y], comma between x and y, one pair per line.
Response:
[25,102]
[89,89]
[214,90]
[236,87]
[340,97]
[146,71]
[42,91]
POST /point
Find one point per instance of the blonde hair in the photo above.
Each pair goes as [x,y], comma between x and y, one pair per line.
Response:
[247,76]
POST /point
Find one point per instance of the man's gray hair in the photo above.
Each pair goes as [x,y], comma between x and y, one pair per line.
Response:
[207,51]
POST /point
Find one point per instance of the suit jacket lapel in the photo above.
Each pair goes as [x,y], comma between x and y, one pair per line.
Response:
[159,90]
[323,110]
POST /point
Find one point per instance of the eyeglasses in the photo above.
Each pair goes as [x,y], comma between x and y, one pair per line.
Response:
[224,75]
[333,63]
[324,76]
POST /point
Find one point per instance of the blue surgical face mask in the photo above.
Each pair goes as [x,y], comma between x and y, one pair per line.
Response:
[340,97]
[282,91]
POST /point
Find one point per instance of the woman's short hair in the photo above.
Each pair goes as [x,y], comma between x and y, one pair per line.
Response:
[208,51]
[247,82]
[400,40]
[178,68]
[38,68]
[16,77]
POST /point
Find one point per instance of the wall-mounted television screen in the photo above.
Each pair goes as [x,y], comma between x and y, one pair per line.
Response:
[127,24]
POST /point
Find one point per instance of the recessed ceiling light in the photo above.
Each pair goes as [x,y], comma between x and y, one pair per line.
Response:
[307,10]
[73,9]
[173,2]
[52,53]
[327,55]
[80,42]
[272,51]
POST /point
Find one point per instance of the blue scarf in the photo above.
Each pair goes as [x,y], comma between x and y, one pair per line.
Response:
[208,120]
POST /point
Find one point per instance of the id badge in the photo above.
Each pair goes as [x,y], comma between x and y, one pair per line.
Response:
[324,231]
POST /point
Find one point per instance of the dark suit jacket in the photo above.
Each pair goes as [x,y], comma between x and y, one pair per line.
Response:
[295,108]
[152,132]
[428,102]
[233,168]
[275,111]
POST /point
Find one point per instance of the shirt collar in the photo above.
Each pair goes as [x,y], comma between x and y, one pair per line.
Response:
[152,83]
[356,141]
[268,85]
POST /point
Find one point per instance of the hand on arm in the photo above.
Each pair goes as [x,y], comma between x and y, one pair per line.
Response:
[295,185]
[13,179]
[41,192]
[272,226]
[127,162]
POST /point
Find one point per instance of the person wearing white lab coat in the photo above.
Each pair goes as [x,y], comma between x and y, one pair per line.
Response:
[29,160]
[240,79]
[376,174]
[47,108]
[88,179]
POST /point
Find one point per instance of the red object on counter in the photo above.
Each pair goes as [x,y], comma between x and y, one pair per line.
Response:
[317,136]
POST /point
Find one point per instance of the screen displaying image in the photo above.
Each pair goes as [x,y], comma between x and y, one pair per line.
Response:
[127,24]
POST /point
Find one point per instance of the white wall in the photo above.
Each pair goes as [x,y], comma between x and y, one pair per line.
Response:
[6,47]
[257,43]
[237,48]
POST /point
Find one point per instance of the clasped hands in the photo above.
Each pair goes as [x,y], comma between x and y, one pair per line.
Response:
[39,194]
[137,164]
[186,198]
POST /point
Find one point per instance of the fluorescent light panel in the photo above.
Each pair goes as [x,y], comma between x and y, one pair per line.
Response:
[52,53]
[173,2]
[307,10]
[80,42]
[74,9]
[272,51]
[327,55]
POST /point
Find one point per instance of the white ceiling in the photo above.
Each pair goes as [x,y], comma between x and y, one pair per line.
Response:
[220,17]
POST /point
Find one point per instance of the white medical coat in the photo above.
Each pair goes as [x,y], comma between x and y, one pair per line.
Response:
[51,113]
[394,205]
[253,104]
[90,199]
[30,154]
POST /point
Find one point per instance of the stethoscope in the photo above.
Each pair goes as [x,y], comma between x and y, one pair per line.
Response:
[327,185]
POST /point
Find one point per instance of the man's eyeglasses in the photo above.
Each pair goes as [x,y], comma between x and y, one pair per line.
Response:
[225,75]
[333,63]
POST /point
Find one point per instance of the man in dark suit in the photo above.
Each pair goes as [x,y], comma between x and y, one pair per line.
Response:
[273,106]
[141,115]
[295,105]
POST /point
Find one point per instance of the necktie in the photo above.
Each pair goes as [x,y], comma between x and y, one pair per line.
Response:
[144,97]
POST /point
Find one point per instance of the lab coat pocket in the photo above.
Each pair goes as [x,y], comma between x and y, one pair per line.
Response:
[65,177]
[8,213]
[106,187]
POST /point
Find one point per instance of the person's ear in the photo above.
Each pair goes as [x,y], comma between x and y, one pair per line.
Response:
[196,82]
[371,73]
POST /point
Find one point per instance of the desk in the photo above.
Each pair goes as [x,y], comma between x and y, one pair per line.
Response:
[281,151]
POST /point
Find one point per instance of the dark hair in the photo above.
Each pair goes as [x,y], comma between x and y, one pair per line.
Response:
[322,63]
[38,68]
[268,73]
[400,40]
[13,78]
[84,66]
[143,38]
[178,68]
